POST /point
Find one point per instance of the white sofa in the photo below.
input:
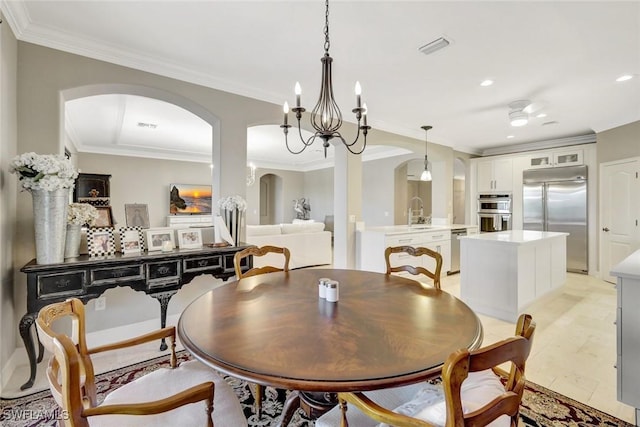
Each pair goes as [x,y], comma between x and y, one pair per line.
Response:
[308,243]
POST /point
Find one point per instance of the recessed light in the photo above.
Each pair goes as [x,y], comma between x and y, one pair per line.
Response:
[486,83]
[541,115]
[510,136]
[624,78]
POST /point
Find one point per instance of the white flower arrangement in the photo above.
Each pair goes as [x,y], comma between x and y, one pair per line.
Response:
[81,214]
[43,171]
[231,203]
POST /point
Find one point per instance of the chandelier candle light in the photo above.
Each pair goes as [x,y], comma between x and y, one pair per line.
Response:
[326,117]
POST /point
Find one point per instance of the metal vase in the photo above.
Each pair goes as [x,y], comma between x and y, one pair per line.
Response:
[233,221]
[50,221]
[72,241]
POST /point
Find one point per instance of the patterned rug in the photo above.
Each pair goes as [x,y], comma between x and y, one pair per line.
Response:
[541,407]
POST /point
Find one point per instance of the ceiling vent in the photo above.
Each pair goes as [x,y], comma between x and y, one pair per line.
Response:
[434,46]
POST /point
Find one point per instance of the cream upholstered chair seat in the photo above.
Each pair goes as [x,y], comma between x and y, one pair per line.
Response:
[165,382]
[185,395]
[424,401]
[472,392]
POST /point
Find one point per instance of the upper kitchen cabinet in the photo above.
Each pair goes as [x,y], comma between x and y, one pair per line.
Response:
[495,175]
[549,159]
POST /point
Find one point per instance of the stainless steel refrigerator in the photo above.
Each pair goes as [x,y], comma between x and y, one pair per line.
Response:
[555,199]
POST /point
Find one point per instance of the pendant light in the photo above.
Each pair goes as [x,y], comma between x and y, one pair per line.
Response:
[426,173]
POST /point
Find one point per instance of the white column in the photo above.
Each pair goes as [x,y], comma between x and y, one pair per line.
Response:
[347,205]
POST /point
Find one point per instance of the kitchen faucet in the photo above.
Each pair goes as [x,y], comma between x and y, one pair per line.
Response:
[410,211]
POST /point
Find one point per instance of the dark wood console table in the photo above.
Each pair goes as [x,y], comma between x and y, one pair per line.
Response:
[158,274]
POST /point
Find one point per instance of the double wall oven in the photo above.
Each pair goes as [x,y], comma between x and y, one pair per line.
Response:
[494,212]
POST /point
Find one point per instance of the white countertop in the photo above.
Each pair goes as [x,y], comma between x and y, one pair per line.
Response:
[628,267]
[514,236]
[416,228]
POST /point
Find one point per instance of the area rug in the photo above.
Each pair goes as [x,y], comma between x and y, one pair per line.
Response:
[541,407]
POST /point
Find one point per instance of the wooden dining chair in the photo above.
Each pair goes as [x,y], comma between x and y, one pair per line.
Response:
[416,252]
[474,391]
[237,261]
[160,398]
[258,252]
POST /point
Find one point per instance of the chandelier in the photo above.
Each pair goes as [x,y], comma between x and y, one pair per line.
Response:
[426,173]
[326,117]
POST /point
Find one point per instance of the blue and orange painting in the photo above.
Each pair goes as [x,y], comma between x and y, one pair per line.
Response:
[190,199]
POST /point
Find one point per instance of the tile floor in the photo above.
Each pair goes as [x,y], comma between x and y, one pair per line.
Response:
[573,353]
[574,348]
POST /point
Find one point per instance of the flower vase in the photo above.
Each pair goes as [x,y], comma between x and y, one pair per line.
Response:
[233,220]
[72,241]
[50,220]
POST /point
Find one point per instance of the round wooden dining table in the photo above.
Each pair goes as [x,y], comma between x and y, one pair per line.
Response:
[273,329]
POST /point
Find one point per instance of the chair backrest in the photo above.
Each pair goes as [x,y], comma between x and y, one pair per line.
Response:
[260,251]
[460,363]
[70,372]
[416,252]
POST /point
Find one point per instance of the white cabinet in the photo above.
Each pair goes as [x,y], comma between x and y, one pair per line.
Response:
[371,245]
[549,159]
[628,330]
[495,175]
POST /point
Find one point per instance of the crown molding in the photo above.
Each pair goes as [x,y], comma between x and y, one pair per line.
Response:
[28,31]
[541,145]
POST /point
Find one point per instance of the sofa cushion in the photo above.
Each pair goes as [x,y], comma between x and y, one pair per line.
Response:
[263,230]
[308,227]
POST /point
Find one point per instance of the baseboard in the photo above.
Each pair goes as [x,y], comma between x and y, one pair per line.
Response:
[19,356]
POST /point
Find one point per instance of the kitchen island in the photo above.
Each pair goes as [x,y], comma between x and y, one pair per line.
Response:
[502,273]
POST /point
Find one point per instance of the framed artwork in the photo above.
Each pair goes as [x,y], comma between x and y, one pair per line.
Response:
[92,188]
[189,238]
[101,241]
[105,217]
[190,199]
[136,215]
[156,238]
[131,240]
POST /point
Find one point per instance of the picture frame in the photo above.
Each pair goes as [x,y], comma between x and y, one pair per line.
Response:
[105,217]
[131,240]
[92,188]
[136,215]
[101,241]
[189,238]
[190,199]
[157,236]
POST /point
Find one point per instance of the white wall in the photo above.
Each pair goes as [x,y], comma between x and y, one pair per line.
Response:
[8,191]
[318,187]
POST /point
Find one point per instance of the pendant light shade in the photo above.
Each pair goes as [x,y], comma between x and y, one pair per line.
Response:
[426,173]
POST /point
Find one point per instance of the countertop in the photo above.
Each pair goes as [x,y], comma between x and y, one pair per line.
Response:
[416,228]
[628,267]
[517,237]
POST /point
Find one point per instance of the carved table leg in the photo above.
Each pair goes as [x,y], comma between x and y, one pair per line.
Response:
[163,298]
[290,407]
[25,332]
[40,347]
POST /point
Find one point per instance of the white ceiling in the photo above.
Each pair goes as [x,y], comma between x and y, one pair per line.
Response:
[562,55]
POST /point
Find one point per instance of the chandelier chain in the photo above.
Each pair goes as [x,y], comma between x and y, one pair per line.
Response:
[327,43]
